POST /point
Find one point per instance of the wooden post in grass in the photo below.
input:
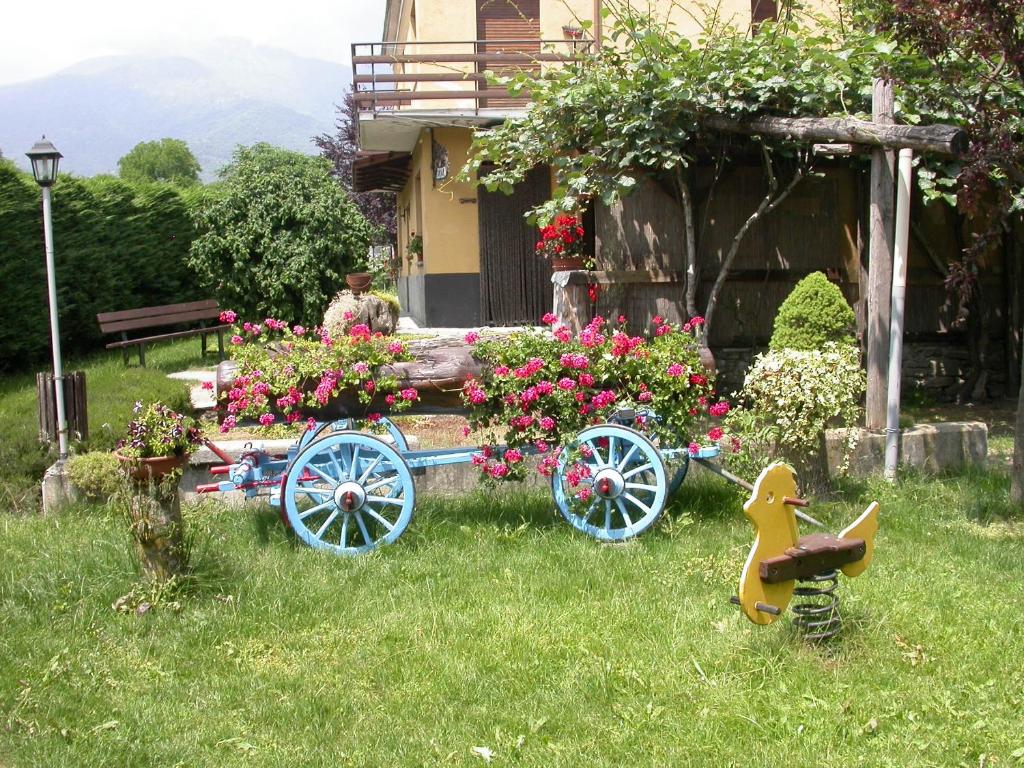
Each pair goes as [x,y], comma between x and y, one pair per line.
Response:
[158,532]
[881,229]
[75,403]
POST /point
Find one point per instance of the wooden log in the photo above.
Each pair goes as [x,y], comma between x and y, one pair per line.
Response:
[946,140]
[438,372]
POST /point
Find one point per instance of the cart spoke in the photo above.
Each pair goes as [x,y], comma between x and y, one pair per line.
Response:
[651,488]
[327,478]
[637,502]
[590,510]
[330,519]
[597,454]
[332,453]
[321,492]
[386,500]
[369,469]
[313,510]
[382,482]
[355,463]
[637,470]
[379,518]
[607,514]
[344,529]
[629,455]
[362,528]
[622,511]
[611,451]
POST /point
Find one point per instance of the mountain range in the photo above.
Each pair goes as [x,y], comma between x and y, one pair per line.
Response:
[214,96]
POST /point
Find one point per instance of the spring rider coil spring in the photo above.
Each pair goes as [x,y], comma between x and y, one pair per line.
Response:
[780,558]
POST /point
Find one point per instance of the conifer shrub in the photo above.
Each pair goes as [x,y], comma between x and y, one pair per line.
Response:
[116,246]
[813,315]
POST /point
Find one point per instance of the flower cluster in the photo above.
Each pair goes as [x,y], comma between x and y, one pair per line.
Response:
[156,430]
[543,387]
[284,371]
[561,239]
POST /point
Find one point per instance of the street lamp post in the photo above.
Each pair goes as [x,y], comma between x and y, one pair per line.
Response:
[45,158]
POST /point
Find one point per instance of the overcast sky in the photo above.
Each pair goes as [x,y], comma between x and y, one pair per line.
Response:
[42,38]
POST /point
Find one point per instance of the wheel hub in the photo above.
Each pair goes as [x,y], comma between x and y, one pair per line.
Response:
[349,496]
[608,484]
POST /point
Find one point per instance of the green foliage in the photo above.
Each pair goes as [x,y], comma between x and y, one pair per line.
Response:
[167,160]
[23,459]
[539,390]
[277,236]
[95,474]
[639,107]
[157,430]
[789,398]
[563,640]
[286,371]
[814,314]
[116,246]
[391,299]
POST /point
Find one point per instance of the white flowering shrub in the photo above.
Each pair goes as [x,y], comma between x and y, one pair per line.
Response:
[789,398]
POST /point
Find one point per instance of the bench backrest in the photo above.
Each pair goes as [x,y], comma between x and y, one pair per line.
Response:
[154,317]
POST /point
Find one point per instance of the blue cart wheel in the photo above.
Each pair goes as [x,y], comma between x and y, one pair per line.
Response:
[327,427]
[348,493]
[627,484]
[401,444]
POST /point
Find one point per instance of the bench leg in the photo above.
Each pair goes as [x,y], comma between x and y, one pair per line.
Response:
[220,345]
[142,355]
[124,350]
[203,337]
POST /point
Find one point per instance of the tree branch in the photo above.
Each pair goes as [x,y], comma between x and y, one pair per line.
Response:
[766,206]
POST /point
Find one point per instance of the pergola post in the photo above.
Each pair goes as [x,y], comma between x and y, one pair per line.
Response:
[880,232]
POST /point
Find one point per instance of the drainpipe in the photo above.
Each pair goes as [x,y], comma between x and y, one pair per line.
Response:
[899,290]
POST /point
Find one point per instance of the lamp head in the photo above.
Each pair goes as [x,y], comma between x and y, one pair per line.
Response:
[45,158]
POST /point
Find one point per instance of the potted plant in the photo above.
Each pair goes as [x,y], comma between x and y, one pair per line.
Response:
[158,442]
[414,250]
[561,242]
[359,279]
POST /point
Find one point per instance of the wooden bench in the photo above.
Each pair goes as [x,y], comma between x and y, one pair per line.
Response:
[146,318]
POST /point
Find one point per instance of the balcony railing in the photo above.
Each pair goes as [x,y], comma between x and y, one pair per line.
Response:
[450,74]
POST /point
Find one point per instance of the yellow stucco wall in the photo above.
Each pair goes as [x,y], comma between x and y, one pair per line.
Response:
[447,218]
[456,19]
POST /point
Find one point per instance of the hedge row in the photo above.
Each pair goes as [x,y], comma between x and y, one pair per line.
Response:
[117,246]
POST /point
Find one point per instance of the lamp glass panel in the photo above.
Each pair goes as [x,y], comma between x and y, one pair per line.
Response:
[43,168]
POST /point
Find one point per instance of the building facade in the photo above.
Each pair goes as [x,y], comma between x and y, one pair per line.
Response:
[467,255]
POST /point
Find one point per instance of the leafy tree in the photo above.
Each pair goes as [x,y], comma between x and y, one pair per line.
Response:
[277,235]
[963,60]
[639,108]
[167,160]
[379,208]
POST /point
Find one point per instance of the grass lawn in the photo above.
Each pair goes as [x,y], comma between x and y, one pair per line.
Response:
[111,389]
[489,629]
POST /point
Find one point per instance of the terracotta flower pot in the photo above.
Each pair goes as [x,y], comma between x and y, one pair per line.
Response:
[566,264]
[358,282]
[152,469]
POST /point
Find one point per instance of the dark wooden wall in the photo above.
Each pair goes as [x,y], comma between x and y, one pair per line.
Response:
[515,285]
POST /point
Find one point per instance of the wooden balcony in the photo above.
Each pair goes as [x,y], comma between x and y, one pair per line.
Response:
[450,75]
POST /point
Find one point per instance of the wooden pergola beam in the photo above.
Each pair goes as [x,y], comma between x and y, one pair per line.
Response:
[946,140]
